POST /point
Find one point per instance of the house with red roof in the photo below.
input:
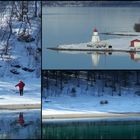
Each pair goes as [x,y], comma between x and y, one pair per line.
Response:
[135,43]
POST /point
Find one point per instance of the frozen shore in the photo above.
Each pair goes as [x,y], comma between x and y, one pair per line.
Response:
[20,106]
[119,44]
[90,115]
[88,106]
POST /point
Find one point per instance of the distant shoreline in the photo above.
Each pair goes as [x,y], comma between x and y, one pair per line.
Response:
[91,115]
[91,3]
[20,106]
[94,50]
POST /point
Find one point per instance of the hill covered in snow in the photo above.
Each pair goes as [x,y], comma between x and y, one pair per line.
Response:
[20,31]
[20,53]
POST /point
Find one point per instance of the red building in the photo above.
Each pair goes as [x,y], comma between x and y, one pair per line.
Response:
[135,43]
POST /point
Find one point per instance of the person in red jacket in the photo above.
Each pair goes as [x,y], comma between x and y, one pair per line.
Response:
[21,87]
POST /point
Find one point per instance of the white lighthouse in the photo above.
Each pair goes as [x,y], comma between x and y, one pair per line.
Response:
[95,36]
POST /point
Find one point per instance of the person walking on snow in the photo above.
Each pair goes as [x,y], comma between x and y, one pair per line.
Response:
[21,87]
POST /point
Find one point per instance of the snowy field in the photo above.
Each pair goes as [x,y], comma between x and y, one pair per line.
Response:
[9,94]
[86,104]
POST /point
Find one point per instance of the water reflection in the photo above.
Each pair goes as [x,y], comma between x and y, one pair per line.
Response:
[15,125]
[101,129]
[97,57]
[22,122]
[135,56]
[21,119]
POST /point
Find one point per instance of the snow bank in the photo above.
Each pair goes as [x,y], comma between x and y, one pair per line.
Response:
[89,104]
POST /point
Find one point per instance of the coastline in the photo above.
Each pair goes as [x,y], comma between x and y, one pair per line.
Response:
[20,106]
[90,116]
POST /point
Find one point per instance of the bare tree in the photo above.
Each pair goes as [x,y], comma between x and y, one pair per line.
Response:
[9,23]
[35,9]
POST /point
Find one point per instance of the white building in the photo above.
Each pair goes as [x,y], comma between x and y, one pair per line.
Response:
[95,36]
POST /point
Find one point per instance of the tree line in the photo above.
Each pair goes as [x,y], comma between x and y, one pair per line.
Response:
[113,79]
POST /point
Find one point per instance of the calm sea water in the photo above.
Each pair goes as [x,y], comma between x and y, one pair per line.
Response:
[22,124]
[71,25]
[103,129]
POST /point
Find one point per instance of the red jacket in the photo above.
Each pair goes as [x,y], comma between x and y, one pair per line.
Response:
[20,85]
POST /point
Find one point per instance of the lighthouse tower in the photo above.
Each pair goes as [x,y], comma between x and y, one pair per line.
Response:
[95,36]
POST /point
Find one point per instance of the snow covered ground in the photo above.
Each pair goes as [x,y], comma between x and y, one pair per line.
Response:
[118,43]
[9,94]
[86,104]
[22,54]
[87,100]
[22,61]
